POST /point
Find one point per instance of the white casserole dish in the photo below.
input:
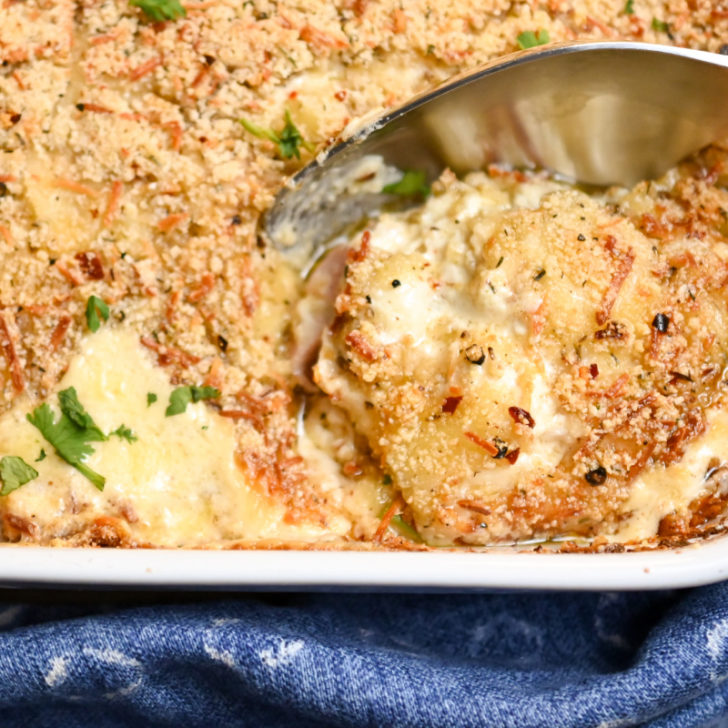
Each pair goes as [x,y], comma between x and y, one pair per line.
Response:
[693,565]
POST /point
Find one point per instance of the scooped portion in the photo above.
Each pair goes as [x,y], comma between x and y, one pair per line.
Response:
[528,361]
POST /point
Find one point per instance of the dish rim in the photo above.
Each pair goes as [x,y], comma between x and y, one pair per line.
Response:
[234,570]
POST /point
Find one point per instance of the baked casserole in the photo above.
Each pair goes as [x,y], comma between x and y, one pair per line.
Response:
[514,360]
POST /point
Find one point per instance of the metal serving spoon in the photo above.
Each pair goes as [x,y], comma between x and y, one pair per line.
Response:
[598,113]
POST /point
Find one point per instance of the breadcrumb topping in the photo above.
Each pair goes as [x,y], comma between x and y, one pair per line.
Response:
[126,174]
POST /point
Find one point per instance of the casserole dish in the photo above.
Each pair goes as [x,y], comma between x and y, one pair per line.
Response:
[131,204]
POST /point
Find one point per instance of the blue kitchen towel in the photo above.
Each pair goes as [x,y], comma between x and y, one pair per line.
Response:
[518,660]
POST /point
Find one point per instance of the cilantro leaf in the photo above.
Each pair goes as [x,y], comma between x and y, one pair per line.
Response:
[42,456]
[289,139]
[413,183]
[151,398]
[69,438]
[182,396]
[530,39]
[160,10]
[14,472]
[124,433]
[629,7]
[74,410]
[96,307]
[178,401]
[660,26]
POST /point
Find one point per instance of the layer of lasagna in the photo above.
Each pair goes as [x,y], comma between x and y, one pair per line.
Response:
[155,355]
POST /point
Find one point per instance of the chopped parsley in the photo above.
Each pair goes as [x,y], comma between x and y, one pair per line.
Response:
[95,308]
[412,184]
[289,139]
[629,7]
[14,472]
[71,434]
[124,433]
[530,39]
[182,396]
[660,26]
[42,455]
[74,410]
[160,10]
[151,398]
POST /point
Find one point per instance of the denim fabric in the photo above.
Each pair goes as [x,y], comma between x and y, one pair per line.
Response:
[518,660]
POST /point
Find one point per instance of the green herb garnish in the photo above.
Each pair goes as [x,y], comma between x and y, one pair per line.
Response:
[42,456]
[405,530]
[629,7]
[529,39]
[71,434]
[124,433]
[160,10]
[96,307]
[14,472]
[412,184]
[74,410]
[660,26]
[289,139]
[182,396]
[151,398]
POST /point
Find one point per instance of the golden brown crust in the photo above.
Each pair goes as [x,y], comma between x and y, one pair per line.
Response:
[126,175]
[626,311]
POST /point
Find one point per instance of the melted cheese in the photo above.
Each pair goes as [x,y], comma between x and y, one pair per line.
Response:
[658,493]
[178,483]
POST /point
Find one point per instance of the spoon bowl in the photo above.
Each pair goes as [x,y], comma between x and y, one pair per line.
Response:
[596,113]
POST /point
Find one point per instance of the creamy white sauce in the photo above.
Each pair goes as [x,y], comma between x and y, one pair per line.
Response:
[179,478]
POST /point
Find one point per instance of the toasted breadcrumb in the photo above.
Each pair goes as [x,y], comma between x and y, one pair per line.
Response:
[127,175]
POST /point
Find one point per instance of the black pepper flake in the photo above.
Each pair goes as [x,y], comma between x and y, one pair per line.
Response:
[368,299]
[500,260]
[502,452]
[660,322]
[237,220]
[3,189]
[209,60]
[15,118]
[396,283]
[52,261]
[598,476]
[475,354]
[80,107]
[222,342]
[539,275]
[580,238]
